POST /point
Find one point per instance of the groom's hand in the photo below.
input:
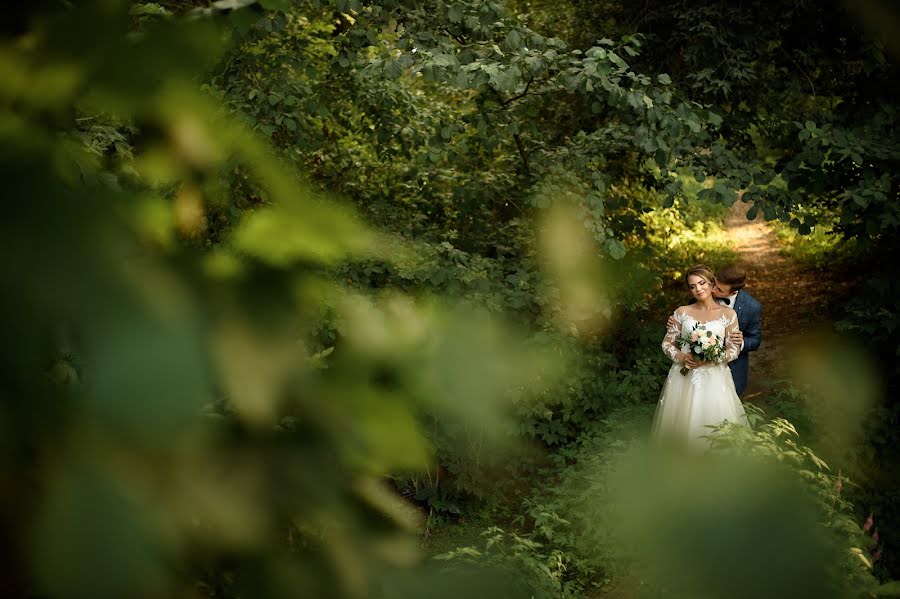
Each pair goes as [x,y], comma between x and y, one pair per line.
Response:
[736,336]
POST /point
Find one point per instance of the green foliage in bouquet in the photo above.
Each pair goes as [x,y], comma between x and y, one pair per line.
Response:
[702,343]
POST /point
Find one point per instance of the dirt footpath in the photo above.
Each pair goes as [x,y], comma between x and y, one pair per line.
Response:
[793,299]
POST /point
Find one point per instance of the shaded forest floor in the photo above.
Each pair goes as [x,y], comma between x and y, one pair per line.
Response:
[796,300]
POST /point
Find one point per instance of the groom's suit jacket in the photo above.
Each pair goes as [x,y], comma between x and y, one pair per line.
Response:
[749,312]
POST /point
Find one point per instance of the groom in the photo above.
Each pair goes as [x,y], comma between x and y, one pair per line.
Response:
[729,291]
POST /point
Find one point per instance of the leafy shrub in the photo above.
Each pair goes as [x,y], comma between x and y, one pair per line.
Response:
[591,515]
[531,569]
[776,442]
[680,243]
[823,247]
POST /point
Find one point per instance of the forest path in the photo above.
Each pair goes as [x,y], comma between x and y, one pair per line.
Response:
[794,299]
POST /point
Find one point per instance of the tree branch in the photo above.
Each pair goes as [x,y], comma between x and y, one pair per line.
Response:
[519,96]
[459,39]
[522,153]
[791,58]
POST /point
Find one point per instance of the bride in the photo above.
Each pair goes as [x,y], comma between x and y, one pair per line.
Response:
[690,404]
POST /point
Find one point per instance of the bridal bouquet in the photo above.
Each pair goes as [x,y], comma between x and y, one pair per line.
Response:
[707,345]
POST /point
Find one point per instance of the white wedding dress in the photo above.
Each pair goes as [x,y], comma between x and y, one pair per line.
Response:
[689,404]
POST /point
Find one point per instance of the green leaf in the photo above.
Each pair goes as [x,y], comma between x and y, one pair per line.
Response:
[302,229]
[661,158]
[513,40]
[617,60]
[664,79]
[455,13]
[392,68]
[86,502]
[445,60]
[282,5]
[888,589]
[615,248]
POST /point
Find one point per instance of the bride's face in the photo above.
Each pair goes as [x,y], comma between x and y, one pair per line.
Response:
[699,286]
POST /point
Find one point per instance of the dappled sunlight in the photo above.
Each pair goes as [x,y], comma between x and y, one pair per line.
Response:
[752,236]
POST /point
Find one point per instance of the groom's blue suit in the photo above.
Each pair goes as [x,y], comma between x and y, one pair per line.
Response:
[749,312]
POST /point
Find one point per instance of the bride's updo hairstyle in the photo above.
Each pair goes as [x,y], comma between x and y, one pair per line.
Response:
[700,270]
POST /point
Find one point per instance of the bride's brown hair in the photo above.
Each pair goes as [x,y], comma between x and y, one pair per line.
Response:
[700,270]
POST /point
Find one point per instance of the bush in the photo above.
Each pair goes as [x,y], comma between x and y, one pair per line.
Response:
[530,568]
[759,506]
[823,247]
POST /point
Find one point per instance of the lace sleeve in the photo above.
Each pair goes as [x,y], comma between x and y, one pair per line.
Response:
[732,348]
[668,343]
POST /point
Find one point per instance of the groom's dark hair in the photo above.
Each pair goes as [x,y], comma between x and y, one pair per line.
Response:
[734,276]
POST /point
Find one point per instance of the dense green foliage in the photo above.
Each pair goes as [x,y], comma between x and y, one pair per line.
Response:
[272,266]
[697,532]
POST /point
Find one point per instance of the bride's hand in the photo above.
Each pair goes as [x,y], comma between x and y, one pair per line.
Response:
[671,322]
[690,363]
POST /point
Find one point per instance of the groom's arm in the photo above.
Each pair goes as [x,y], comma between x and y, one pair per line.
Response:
[753,333]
